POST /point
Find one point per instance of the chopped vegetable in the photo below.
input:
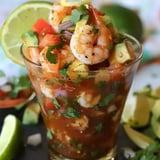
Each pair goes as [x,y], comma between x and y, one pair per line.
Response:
[34,139]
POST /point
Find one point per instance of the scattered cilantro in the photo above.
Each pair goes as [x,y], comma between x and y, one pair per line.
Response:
[19,84]
[56,103]
[71,113]
[99,127]
[51,57]
[76,144]
[152,152]
[78,14]
[105,101]
[49,134]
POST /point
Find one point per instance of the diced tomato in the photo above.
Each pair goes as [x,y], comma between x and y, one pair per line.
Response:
[42,27]
[50,40]
[48,104]
[3,94]
[8,102]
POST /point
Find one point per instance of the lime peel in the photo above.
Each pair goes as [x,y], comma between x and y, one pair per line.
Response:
[10,138]
[138,138]
[18,22]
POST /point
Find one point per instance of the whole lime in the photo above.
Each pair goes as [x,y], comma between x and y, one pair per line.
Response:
[124,19]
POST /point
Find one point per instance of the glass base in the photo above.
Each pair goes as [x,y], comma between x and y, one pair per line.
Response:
[110,156]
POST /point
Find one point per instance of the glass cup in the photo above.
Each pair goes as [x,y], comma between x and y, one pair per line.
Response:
[82,116]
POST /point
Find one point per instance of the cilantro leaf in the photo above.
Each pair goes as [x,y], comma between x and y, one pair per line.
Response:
[19,84]
[71,113]
[56,103]
[75,17]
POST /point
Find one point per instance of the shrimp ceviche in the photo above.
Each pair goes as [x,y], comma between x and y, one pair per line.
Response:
[81,68]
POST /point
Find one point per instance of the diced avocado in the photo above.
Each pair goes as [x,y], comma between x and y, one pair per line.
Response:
[122,53]
[30,38]
[77,70]
[31,114]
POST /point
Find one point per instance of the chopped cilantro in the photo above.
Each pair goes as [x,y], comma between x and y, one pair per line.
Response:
[99,127]
[56,103]
[71,113]
[78,14]
[51,57]
[105,101]
[152,152]
[76,144]
[19,84]
[49,134]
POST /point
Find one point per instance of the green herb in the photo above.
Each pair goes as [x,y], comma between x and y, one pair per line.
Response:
[101,85]
[63,71]
[71,113]
[78,14]
[76,144]
[56,103]
[99,127]
[105,101]
[152,152]
[51,57]
[19,84]
[49,134]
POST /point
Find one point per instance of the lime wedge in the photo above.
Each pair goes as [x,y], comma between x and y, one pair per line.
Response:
[18,22]
[74,2]
[133,110]
[10,138]
[138,138]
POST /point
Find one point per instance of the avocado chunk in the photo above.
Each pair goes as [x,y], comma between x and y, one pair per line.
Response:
[30,38]
[122,53]
[31,114]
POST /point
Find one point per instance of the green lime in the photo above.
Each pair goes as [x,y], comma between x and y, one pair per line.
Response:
[18,22]
[10,138]
[138,138]
[125,19]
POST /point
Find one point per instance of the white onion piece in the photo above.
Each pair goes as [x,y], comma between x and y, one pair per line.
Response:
[3,80]
[34,139]
[6,88]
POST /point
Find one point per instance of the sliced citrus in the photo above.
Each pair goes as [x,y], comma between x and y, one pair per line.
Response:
[10,138]
[18,22]
[138,138]
[133,110]
[74,3]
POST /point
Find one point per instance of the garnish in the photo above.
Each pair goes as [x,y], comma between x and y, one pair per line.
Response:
[56,103]
[19,84]
[78,14]
[71,113]
[152,152]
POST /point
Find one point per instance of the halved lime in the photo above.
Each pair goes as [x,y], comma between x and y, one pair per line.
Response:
[138,138]
[10,138]
[18,22]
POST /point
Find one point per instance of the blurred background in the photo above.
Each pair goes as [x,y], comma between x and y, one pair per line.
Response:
[148,28]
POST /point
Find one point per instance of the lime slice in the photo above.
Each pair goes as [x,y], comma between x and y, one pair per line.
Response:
[74,2]
[133,110]
[138,138]
[10,138]
[18,22]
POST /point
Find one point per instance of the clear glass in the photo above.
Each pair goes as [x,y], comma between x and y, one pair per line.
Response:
[82,117]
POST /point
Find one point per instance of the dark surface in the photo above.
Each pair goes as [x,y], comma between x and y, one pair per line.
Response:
[40,152]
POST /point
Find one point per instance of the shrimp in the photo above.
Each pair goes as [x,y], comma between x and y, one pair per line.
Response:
[92,47]
[58,12]
[64,56]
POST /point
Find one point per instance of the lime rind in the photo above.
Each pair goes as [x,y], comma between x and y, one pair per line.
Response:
[10,138]
[18,22]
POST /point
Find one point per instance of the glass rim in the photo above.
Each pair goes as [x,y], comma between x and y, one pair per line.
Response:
[139,50]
